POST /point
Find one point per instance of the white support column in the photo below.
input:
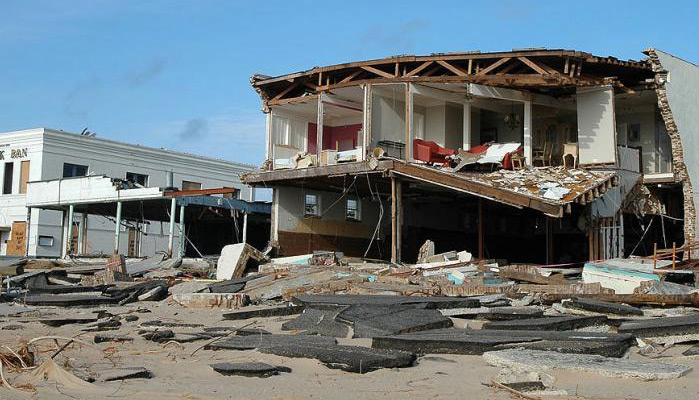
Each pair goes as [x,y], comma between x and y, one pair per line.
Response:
[528,131]
[268,137]
[245,227]
[409,122]
[64,216]
[183,240]
[467,126]
[117,228]
[71,211]
[319,126]
[366,121]
[80,234]
[28,231]
[171,236]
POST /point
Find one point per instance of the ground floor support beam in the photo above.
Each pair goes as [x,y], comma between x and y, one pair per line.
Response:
[481,226]
[396,219]
[171,236]
[64,235]
[71,221]
[245,227]
[117,228]
[183,239]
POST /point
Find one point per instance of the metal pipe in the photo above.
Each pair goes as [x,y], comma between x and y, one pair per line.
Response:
[171,237]
[117,228]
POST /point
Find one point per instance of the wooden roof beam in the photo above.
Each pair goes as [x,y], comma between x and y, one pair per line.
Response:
[419,69]
[531,64]
[285,91]
[377,71]
[494,65]
[351,76]
[453,68]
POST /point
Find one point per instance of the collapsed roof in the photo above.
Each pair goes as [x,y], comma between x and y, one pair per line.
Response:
[556,72]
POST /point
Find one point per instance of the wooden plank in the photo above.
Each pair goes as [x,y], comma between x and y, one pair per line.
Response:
[377,71]
[23,176]
[17,245]
[419,68]
[494,65]
[285,91]
[531,64]
[431,71]
[453,68]
[351,76]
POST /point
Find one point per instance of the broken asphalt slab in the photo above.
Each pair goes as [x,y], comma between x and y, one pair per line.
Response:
[315,321]
[262,341]
[119,374]
[253,369]
[56,322]
[411,320]
[70,300]
[602,307]
[664,329]
[103,337]
[510,313]
[475,342]
[385,300]
[324,349]
[563,323]
[264,312]
[533,360]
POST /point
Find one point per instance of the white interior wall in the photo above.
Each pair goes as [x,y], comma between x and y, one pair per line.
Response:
[596,125]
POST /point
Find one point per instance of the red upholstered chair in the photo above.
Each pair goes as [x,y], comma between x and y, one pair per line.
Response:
[507,160]
[430,152]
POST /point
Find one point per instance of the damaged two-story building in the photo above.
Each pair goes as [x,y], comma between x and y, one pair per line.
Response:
[546,156]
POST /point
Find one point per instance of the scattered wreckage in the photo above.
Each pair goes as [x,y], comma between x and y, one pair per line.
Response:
[528,318]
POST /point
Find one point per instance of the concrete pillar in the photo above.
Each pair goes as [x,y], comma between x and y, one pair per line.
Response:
[467,127]
[396,219]
[408,156]
[71,211]
[117,228]
[183,240]
[528,132]
[245,227]
[28,230]
[319,127]
[64,216]
[171,237]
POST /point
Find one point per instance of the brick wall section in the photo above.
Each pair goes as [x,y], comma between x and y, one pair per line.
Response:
[678,166]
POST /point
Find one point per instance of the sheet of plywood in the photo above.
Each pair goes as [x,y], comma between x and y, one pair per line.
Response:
[596,125]
[17,245]
[23,176]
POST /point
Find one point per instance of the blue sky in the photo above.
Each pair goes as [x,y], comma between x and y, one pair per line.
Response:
[175,74]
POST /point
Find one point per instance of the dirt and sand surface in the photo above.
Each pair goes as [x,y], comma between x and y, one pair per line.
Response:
[177,374]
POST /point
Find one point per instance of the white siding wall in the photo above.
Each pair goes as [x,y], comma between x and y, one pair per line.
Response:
[48,150]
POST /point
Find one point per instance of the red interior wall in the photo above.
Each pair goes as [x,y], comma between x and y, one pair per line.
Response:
[331,134]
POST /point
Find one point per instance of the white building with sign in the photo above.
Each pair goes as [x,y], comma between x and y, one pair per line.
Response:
[45,154]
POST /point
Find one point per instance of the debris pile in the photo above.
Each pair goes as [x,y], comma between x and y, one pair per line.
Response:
[360,315]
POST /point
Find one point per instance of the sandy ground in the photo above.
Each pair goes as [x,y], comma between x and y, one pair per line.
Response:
[179,375]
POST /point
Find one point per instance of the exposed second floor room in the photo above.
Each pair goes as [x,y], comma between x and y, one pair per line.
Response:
[545,107]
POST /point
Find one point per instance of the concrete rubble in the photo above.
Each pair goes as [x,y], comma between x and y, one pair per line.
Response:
[528,360]
[359,315]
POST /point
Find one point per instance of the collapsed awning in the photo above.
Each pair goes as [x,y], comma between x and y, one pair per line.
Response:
[547,189]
